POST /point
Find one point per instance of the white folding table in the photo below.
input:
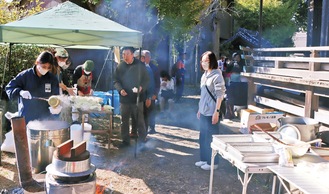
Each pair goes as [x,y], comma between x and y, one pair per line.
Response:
[300,180]
[247,168]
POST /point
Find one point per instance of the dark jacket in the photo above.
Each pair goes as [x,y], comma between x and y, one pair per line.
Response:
[156,76]
[44,86]
[131,76]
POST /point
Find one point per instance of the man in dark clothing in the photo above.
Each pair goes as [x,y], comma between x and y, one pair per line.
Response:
[130,80]
[34,82]
[152,92]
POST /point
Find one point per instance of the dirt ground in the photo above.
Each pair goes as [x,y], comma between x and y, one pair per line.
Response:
[165,167]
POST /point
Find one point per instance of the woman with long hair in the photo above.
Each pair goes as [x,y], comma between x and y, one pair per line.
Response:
[213,89]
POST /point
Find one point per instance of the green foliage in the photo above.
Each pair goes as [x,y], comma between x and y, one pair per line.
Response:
[179,17]
[22,56]
[279,19]
[12,11]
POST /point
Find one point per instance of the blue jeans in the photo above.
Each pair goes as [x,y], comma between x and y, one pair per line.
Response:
[207,129]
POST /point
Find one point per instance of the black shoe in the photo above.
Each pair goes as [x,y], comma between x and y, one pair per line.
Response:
[152,131]
[123,145]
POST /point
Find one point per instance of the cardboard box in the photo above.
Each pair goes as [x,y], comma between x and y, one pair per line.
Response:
[251,117]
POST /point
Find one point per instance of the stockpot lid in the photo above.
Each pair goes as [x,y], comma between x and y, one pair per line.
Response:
[290,131]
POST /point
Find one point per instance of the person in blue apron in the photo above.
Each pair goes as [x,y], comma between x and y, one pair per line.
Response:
[36,81]
[83,77]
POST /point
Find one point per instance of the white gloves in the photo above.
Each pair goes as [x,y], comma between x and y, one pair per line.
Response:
[25,94]
[55,110]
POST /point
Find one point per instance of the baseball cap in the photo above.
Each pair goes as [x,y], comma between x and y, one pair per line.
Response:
[61,52]
[136,53]
[88,65]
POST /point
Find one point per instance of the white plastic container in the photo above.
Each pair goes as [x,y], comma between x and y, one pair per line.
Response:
[76,133]
[86,135]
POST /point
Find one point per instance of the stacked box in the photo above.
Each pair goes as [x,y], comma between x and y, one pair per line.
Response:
[250,117]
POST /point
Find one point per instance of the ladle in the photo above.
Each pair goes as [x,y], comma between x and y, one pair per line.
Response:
[275,138]
[53,101]
[278,140]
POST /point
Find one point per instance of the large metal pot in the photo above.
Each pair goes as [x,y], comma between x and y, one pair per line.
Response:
[307,127]
[43,137]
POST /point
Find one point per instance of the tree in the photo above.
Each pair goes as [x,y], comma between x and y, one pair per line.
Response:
[281,18]
[179,17]
[22,56]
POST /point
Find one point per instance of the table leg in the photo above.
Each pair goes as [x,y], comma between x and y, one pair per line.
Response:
[110,133]
[245,183]
[274,184]
[284,185]
[214,152]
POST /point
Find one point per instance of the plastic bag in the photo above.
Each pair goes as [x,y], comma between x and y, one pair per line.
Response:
[8,145]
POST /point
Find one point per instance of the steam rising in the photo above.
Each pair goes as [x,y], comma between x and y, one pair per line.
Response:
[47,125]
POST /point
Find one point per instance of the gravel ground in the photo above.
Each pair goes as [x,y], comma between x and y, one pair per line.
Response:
[166,166]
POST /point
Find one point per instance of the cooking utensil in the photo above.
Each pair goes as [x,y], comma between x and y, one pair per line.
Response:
[53,101]
[275,138]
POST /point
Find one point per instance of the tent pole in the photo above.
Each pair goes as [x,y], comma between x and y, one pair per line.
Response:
[105,61]
[138,95]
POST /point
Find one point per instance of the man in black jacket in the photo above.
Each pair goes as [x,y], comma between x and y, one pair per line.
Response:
[130,80]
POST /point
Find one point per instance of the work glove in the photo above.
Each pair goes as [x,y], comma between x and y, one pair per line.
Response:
[25,94]
[55,110]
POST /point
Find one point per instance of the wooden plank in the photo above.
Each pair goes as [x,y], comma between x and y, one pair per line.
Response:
[279,105]
[289,79]
[286,97]
[78,149]
[292,49]
[292,59]
[64,148]
[321,115]
[259,110]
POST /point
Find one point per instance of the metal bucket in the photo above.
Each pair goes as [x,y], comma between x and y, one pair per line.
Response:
[43,138]
[307,127]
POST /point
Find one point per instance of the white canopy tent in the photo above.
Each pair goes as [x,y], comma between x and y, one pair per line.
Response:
[68,24]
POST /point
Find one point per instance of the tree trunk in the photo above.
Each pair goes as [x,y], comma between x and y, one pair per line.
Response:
[216,34]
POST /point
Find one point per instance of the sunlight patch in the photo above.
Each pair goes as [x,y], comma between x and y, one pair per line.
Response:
[172,151]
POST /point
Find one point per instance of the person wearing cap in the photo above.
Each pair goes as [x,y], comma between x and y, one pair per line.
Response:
[35,82]
[142,56]
[64,74]
[83,76]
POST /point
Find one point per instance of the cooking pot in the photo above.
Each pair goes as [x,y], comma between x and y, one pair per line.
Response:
[307,127]
[43,137]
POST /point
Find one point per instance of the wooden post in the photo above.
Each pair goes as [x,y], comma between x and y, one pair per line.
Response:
[312,65]
[311,103]
[251,91]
